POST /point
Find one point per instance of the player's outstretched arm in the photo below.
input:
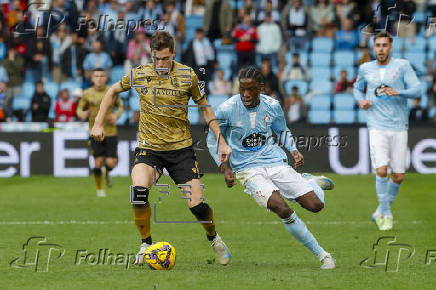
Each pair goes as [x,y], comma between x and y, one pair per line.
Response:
[224,150]
[97,131]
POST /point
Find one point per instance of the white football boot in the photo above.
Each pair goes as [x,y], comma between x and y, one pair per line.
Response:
[327,262]
[101,193]
[222,253]
[140,257]
[324,182]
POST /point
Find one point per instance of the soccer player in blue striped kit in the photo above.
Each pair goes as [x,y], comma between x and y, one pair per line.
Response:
[389,82]
[247,121]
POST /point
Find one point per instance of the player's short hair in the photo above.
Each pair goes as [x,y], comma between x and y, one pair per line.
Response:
[98,69]
[161,40]
[382,34]
[251,72]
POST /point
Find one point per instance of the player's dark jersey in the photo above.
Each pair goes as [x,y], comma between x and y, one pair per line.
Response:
[91,100]
[164,123]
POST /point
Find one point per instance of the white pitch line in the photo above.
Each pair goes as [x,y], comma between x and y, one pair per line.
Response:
[74,222]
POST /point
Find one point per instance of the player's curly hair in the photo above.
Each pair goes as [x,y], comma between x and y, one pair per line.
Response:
[161,40]
[251,72]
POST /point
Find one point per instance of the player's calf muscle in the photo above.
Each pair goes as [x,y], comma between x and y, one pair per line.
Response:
[277,205]
[310,202]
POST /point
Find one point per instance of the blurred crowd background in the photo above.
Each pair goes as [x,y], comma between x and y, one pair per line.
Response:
[308,51]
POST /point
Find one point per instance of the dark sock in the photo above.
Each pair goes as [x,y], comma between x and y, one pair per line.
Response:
[147,240]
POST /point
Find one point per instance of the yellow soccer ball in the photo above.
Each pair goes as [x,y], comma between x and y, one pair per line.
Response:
[160,256]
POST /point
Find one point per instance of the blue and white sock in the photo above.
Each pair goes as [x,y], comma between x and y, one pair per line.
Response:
[381,187]
[318,190]
[297,228]
[392,190]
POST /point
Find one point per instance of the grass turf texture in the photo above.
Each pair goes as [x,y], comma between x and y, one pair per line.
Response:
[264,255]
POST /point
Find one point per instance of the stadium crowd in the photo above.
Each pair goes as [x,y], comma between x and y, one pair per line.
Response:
[308,51]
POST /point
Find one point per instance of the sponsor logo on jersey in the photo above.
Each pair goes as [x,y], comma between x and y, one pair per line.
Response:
[144,90]
[254,142]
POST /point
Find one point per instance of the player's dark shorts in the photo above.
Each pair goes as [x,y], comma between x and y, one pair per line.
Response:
[181,164]
[107,148]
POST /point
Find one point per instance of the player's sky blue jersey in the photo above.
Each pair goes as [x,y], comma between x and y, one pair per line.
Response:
[387,112]
[248,131]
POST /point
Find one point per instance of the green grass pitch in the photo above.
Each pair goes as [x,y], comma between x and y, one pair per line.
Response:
[264,256]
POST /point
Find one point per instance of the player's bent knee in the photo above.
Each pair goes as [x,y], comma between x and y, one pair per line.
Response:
[382,171]
[139,196]
[397,178]
[201,211]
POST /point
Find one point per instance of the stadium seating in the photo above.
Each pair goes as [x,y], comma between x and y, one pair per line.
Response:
[320,102]
[194,21]
[52,89]
[320,59]
[417,60]
[319,116]
[320,73]
[302,86]
[344,102]
[321,87]
[418,46]
[216,100]
[361,116]
[432,46]
[70,85]
[343,58]
[27,90]
[343,116]
[134,102]
[117,73]
[322,44]
[20,103]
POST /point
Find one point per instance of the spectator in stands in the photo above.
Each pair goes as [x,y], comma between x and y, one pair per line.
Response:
[40,104]
[295,18]
[366,55]
[405,25]
[3,48]
[150,12]
[347,37]
[270,39]
[346,9]
[39,55]
[117,41]
[270,80]
[417,113]
[177,20]
[97,58]
[294,107]
[65,108]
[71,61]
[138,51]
[323,17]
[92,35]
[220,86]
[217,19]
[245,36]
[295,71]
[59,41]
[344,85]
[274,13]
[3,89]
[69,11]
[14,66]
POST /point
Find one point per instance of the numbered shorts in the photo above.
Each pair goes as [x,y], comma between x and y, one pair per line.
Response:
[181,164]
[388,148]
[107,148]
[260,183]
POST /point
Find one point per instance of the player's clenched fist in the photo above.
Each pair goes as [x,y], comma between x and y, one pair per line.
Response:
[365,104]
[97,133]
